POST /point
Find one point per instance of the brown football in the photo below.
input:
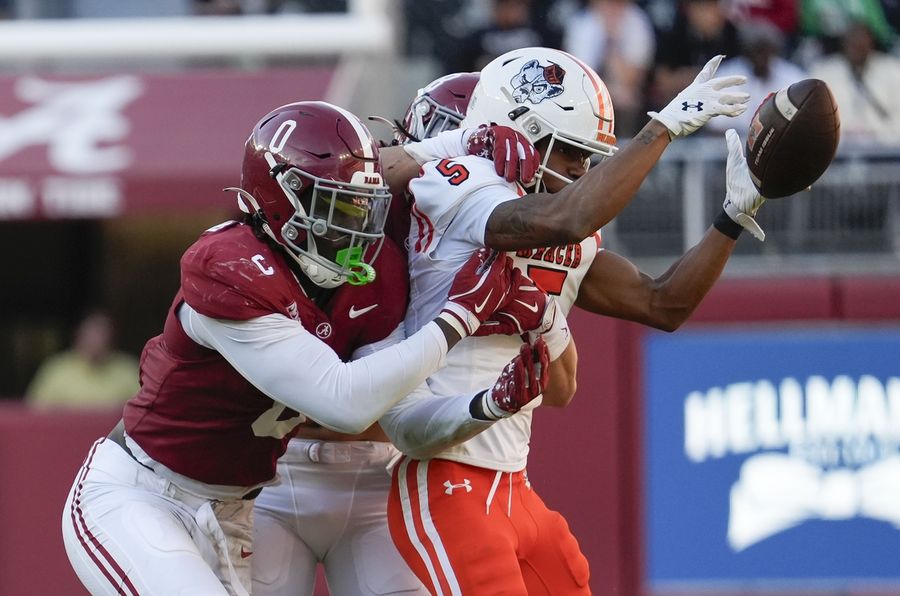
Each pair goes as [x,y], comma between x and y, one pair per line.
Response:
[792,138]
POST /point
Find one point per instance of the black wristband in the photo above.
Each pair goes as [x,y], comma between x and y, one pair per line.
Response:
[727,226]
[476,407]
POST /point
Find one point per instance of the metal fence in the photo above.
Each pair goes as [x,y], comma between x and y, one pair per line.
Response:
[850,219]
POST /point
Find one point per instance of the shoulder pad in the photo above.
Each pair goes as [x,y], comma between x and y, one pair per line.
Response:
[230,274]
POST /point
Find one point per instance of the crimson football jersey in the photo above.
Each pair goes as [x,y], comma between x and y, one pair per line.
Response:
[194,412]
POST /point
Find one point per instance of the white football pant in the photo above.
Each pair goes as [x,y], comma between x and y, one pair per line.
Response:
[129,531]
[331,507]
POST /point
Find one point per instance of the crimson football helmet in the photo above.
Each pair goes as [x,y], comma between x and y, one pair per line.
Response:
[311,176]
[441,105]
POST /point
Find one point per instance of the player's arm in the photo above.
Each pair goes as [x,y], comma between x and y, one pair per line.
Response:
[292,366]
[398,167]
[513,155]
[585,206]
[422,424]
[615,287]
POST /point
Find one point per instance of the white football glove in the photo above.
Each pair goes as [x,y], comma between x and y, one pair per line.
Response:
[701,100]
[742,200]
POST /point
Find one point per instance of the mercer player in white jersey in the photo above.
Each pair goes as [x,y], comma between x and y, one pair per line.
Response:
[465,517]
[254,346]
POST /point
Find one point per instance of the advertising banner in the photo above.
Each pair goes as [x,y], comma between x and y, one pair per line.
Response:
[772,458]
[117,144]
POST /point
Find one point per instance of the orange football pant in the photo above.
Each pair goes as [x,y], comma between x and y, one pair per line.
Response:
[475,531]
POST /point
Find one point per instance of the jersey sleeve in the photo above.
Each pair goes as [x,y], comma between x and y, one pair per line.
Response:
[452,201]
[290,365]
[422,425]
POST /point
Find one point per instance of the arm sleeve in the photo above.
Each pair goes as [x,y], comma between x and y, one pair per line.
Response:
[423,424]
[293,367]
[446,145]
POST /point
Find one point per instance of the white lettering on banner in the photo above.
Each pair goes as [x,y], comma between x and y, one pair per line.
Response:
[17,199]
[840,442]
[81,197]
[80,122]
[746,417]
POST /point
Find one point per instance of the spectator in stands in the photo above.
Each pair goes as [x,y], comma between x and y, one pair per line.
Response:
[783,14]
[91,373]
[865,83]
[701,29]
[616,39]
[826,21]
[510,28]
[762,44]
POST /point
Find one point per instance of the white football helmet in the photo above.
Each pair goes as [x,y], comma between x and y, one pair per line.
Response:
[545,92]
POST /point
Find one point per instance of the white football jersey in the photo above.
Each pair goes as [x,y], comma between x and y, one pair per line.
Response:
[452,202]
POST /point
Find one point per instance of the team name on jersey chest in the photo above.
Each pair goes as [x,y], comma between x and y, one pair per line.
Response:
[565,256]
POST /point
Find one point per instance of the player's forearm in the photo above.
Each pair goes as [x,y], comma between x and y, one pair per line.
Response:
[401,163]
[606,189]
[398,167]
[423,425]
[684,285]
[583,207]
[361,391]
[346,397]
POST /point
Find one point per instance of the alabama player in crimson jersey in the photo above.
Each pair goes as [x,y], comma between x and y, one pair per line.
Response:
[466,518]
[252,348]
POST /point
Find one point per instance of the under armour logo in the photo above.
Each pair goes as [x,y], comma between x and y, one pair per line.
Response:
[687,107]
[451,487]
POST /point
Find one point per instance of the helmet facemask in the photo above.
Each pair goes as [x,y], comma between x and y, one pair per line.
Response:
[533,125]
[345,218]
[429,118]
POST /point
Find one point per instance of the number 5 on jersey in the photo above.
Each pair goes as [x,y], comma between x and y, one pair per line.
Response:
[456,173]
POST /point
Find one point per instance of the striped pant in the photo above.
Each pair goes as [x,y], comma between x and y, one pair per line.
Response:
[468,530]
[128,531]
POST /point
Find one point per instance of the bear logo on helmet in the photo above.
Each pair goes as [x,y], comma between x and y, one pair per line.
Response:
[535,83]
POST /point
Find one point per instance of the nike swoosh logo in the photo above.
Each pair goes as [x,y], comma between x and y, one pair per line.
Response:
[357,313]
[480,307]
[245,553]
[531,307]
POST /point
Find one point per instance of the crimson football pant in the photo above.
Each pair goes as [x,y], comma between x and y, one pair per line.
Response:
[475,531]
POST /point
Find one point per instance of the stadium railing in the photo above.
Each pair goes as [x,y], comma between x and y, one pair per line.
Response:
[848,222]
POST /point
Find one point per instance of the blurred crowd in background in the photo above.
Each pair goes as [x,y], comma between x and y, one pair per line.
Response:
[645,50]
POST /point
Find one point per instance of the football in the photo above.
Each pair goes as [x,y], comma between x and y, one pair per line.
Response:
[792,138]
